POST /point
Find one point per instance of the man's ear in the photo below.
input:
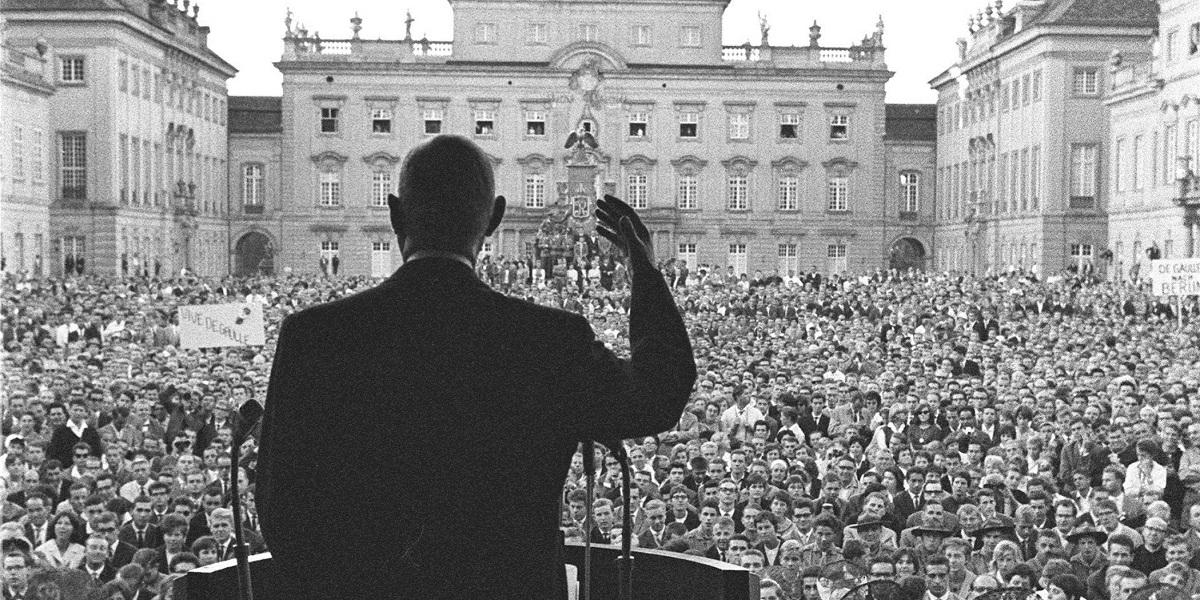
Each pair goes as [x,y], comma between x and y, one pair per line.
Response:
[396,213]
[497,215]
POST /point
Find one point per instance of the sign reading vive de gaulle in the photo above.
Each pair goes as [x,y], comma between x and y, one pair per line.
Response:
[221,325]
[1175,277]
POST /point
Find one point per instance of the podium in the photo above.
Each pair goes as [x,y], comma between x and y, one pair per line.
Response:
[657,575]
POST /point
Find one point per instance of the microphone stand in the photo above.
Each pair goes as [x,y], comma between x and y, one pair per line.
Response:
[589,468]
[244,420]
[625,560]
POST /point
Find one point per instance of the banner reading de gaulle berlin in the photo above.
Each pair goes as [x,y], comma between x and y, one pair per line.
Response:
[1175,277]
[221,325]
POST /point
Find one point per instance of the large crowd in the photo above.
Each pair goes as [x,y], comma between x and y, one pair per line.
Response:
[954,434]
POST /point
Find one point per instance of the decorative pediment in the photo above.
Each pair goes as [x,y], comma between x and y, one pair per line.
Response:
[840,163]
[381,157]
[328,157]
[689,160]
[535,160]
[493,159]
[789,163]
[744,161]
[639,159]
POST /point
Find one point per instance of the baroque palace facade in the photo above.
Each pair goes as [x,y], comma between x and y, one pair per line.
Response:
[122,145]
[1023,133]
[755,156]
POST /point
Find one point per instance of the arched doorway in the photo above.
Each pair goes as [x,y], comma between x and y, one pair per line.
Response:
[255,255]
[907,253]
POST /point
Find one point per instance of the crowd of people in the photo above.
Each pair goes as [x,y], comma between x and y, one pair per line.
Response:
[962,433]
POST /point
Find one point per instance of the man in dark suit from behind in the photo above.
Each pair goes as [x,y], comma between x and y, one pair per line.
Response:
[369,388]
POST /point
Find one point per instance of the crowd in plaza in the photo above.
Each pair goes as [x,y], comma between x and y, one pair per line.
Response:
[974,432]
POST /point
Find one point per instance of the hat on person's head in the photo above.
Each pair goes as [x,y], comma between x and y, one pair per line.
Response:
[993,525]
[1086,531]
[934,528]
[868,522]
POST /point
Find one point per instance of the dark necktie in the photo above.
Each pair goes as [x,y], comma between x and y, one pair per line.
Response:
[141,538]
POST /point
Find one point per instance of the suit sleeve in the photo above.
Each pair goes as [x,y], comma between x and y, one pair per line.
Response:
[613,398]
[282,485]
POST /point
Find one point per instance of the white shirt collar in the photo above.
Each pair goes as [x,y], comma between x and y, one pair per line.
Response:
[419,254]
[77,429]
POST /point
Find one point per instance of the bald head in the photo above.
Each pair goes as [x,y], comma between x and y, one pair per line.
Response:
[445,199]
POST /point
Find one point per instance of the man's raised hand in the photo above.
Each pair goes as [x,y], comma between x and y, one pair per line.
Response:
[621,225]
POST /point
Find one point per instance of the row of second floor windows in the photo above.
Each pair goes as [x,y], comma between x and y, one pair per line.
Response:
[148,82]
[689,124]
[689,191]
[1153,157]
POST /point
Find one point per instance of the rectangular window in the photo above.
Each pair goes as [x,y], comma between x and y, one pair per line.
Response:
[789,192]
[687,254]
[159,174]
[122,75]
[1035,177]
[835,259]
[329,249]
[1004,97]
[588,32]
[1037,86]
[1194,39]
[789,259]
[535,190]
[1169,48]
[635,190]
[1024,179]
[641,35]
[910,191]
[252,185]
[135,164]
[485,122]
[1015,101]
[71,69]
[1191,142]
[37,156]
[1083,171]
[689,36]
[838,191]
[839,127]
[485,33]
[687,190]
[1002,193]
[536,33]
[737,193]
[123,167]
[135,85]
[18,153]
[737,258]
[789,126]
[1170,143]
[158,95]
[381,186]
[381,120]
[381,259]
[1014,180]
[1119,163]
[535,123]
[329,120]
[147,81]
[1025,89]
[739,126]
[1081,251]
[1086,81]
[689,125]
[331,188]
[1138,162]
[637,124]
[433,120]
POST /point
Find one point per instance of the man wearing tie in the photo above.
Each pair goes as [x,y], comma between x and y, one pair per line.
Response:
[656,517]
[95,561]
[139,531]
[37,526]
[16,575]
